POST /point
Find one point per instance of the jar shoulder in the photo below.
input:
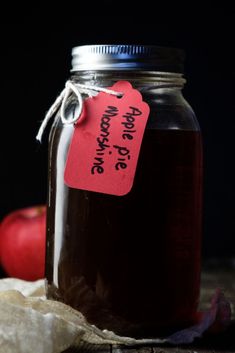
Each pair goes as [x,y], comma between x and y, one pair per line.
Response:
[171,111]
[168,111]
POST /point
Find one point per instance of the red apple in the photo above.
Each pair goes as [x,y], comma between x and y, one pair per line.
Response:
[23,243]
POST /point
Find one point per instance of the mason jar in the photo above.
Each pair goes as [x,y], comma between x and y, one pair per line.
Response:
[131,263]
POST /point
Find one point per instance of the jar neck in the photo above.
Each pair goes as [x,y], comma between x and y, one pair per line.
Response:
[143,80]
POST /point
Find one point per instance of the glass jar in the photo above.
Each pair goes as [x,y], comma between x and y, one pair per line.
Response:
[131,264]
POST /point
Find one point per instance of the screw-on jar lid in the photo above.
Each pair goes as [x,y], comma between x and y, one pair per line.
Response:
[127,57]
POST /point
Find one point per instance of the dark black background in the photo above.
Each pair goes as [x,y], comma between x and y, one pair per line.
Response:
[35,47]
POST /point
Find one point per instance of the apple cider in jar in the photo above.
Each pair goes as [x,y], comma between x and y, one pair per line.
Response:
[131,263]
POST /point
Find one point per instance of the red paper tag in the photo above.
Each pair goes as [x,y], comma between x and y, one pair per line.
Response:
[106,142]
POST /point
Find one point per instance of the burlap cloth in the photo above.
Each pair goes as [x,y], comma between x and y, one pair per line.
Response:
[30,323]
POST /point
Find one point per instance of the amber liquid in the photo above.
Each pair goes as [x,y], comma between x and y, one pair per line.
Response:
[132,264]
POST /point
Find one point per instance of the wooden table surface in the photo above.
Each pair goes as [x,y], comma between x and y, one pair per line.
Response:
[215,274]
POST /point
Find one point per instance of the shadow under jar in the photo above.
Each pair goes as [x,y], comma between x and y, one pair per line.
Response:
[131,264]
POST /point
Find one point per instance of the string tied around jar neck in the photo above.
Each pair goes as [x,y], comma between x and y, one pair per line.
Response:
[75,89]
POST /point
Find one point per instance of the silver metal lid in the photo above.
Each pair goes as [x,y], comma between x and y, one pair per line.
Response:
[127,57]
